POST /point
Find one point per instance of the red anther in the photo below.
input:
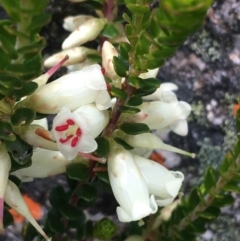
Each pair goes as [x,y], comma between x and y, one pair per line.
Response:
[70,122]
[74,141]
[108,86]
[103,71]
[62,128]
[78,132]
[65,140]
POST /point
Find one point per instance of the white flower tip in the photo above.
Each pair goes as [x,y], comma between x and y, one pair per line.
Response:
[193,155]
[103,160]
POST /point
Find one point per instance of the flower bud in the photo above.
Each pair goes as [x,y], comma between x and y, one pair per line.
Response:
[71,23]
[87,31]
[5,166]
[108,52]
[76,55]
[152,73]
[104,229]
[72,90]
[15,200]
[161,182]
[129,187]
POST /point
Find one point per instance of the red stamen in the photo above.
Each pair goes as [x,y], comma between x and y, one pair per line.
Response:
[65,140]
[103,71]
[74,141]
[108,86]
[62,128]
[78,132]
[70,122]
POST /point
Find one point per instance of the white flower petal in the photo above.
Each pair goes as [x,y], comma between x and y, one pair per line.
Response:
[103,100]
[67,151]
[180,127]
[168,97]
[86,144]
[164,202]
[184,108]
[123,216]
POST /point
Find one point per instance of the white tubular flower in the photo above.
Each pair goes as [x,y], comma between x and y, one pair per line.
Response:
[52,164]
[71,23]
[29,135]
[129,187]
[162,92]
[42,122]
[72,90]
[76,55]
[108,52]
[15,200]
[87,31]
[150,141]
[75,132]
[152,73]
[161,115]
[76,67]
[134,238]
[5,166]
[161,182]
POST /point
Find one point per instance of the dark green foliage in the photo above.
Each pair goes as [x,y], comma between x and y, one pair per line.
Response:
[123,143]
[77,171]
[7,218]
[86,192]
[110,31]
[28,232]
[116,92]
[103,147]
[134,128]
[128,109]
[23,115]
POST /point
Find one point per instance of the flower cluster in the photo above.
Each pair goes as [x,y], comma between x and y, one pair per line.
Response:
[140,185]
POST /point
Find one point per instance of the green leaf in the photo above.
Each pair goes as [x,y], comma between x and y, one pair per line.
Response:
[114,91]
[232,186]
[136,82]
[86,192]
[27,89]
[123,143]
[57,197]
[135,101]
[138,8]
[210,213]
[103,147]
[88,229]
[70,212]
[7,47]
[134,128]
[77,223]
[83,204]
[33,47]
[226,200]
[128,109]
[55,224]
[77,171]
[103,176]
[6,132]
[124,49]
[110,31]
[104,229]
[193,199]
[94,58]
[9,81]
[120,66]
[152,83]
[20,151]
[127,18]
[23,116]
[29,232]
[7,218]
[210,178]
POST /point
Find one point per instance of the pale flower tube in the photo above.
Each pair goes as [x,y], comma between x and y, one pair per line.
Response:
[87,31]
[75,131]
[76,55]
[161,182]
[150,141]
[129,187]
[5,166]
[52,164]
[162,115]
[72,90]
[71,23]
[15,200]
